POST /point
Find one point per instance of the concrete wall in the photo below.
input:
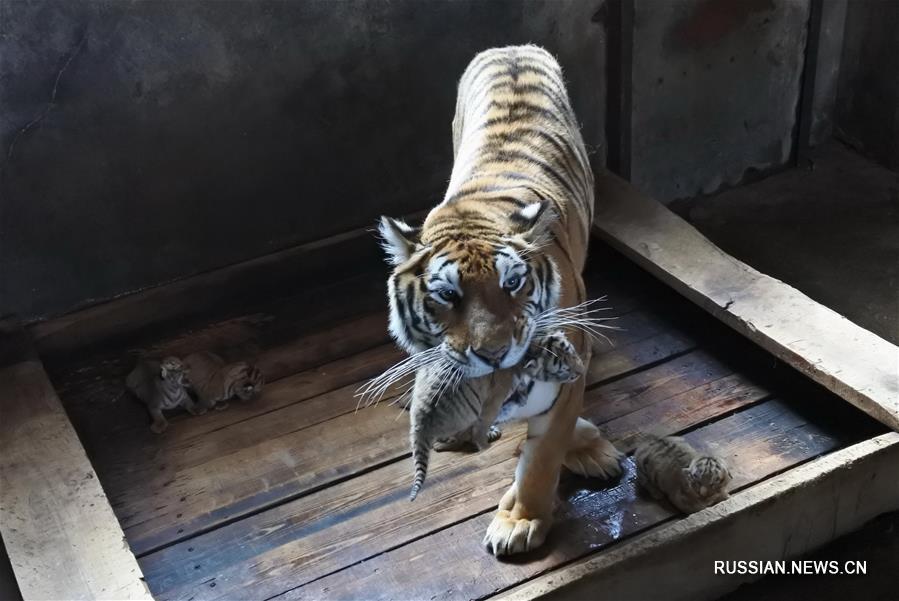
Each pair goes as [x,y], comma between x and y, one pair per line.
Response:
[715,90]
[147,141]
[867,112]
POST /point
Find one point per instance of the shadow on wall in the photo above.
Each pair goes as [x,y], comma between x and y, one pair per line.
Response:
[148,141]
[867,114]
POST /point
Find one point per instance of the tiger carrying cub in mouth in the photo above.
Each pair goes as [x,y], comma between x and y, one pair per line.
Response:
[499,262]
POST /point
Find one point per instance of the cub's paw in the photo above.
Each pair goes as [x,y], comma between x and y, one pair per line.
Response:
[597,459]
[159,427]
[493,434]
[196,410]
[506,536]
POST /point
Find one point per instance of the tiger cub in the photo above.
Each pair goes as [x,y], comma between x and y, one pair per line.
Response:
[670,468]
[470,409]
[215,382]
[161,385]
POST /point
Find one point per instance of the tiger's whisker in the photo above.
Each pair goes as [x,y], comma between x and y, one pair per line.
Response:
[372,391]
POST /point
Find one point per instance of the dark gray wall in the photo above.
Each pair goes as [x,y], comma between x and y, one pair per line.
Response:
[867,112]
[715,90]
[827,71]
[146,141]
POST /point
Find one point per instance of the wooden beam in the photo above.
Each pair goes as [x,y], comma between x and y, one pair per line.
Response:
[854,363]
[63,540]
[770,521]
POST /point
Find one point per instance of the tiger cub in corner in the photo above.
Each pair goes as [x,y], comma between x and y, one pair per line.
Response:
[670,468]
[161,385]
[215,382]
[470,409]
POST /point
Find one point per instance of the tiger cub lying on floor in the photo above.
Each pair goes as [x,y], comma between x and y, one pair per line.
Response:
[670,468]
[215,382]
[470,408]
[167,384]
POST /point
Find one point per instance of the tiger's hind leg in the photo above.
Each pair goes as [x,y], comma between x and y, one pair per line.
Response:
[160,424]
[590,455]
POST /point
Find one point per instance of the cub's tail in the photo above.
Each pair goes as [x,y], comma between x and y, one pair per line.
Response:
[421,452]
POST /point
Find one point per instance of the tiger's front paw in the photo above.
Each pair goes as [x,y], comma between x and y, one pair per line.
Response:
[506,535]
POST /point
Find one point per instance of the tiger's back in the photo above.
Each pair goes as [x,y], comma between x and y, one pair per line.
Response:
[515,129]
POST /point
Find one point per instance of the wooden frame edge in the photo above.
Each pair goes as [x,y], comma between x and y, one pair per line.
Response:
[847,359]
[61,535]
[769,521]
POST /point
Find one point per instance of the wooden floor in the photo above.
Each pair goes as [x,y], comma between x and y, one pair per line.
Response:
[297,496]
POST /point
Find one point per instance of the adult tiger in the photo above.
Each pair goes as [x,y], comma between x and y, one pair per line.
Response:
[505,247]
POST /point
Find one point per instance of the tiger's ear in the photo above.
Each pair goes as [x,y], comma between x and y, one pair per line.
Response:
[398,239]
[533,220]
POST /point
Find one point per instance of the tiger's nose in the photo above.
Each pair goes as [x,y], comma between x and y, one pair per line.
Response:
[491,356]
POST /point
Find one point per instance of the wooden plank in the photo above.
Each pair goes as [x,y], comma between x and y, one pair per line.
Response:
[351,521]
[132,443]
[311,537]
[763,440]
[681,411]
[676,561]
[196,498]
[852,362]
[254,464]
[62,537]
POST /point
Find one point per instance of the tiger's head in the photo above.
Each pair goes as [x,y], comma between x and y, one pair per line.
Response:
[472,290]
[243,381]
[173,370]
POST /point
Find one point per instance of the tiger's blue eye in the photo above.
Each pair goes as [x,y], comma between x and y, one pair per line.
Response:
[512,283]
[448,294]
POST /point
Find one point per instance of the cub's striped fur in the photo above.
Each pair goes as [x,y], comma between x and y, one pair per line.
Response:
[215,382]
[160,385]
[493,261]
[471,407]
[670,468]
